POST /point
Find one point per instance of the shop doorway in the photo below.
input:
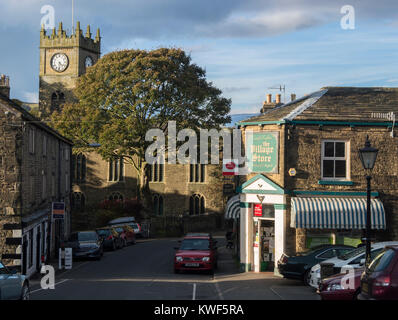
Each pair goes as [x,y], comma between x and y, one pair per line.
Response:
[264,245]
[267,245]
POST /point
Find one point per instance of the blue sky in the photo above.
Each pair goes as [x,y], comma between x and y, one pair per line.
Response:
[246,46]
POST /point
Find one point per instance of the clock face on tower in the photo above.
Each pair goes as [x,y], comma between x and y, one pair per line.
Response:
[59,62]
[89,61]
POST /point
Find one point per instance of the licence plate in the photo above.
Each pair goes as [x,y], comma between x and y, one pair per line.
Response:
[192,264]
[365,287]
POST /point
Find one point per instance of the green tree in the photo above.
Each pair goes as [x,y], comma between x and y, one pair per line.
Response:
[128,92]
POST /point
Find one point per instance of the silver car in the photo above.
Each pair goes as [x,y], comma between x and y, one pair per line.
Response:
[13,286]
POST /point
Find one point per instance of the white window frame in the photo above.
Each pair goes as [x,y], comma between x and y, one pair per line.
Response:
[44,145]
[66,150]
[66,182]
[44,186]
[346,159]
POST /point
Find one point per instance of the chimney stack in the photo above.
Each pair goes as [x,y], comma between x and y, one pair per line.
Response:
[5,85]
[278,98]
[293,96]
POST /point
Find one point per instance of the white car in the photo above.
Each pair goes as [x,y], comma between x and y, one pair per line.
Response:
[351,260]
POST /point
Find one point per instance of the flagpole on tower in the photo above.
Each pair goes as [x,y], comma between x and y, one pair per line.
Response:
[73,22]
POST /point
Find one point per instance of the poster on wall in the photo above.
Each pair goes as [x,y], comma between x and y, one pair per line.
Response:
[258,210]
[262,150]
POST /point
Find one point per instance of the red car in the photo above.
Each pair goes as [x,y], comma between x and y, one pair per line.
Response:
[343,286]
[127,234]
[196,252]
[380,281]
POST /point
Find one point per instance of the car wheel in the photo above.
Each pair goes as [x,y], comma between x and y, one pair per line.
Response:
[356,294]
[307,277]
[25,292]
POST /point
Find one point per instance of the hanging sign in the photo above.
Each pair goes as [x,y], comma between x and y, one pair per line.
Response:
[258,210]
[58,210]
[229,167]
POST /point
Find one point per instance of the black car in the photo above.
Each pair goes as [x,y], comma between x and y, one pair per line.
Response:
[85,244]
[111,238]
[299,266]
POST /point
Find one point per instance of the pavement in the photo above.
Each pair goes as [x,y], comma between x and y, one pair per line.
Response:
[145,272]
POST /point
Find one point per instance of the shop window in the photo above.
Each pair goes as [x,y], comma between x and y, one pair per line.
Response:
[156,172]
[334,160]
[158,204]
[268,211]
[79,168]
[196,204]
[197,173]
[116,169]
[78,201]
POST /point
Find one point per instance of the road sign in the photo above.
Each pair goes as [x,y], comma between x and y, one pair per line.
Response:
[68,258]
[58,210]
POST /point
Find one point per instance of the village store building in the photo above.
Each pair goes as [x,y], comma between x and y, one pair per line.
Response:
[307,185]
[35,172]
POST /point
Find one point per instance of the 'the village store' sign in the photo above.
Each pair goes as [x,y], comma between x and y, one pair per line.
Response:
[262,151]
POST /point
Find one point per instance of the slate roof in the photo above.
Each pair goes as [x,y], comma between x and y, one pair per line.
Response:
[32,119]
[353,104]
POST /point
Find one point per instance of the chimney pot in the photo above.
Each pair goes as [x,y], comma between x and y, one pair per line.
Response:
[293,96]
[269,98]
[278,98]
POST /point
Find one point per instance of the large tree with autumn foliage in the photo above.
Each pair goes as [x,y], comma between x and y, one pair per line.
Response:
[129,92]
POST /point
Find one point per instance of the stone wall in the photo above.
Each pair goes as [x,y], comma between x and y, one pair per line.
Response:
[304,154]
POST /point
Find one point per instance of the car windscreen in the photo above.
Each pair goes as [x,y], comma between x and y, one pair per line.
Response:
[352,253]
[195,244]
[87,236]
[382,261]
[312,250]
[104,232]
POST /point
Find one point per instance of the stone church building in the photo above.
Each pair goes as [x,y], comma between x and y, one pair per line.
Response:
[177,189]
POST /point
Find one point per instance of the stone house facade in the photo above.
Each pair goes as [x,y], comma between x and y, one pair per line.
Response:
[35,163]
[314,181]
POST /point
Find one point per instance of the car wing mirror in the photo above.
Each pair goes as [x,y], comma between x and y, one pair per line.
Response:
[362,262]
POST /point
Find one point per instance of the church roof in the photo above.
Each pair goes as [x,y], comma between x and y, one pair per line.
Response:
[32,119]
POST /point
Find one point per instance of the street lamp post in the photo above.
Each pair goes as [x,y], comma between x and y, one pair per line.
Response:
[368,157]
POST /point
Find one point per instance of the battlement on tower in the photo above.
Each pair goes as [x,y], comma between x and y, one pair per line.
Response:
[60,38]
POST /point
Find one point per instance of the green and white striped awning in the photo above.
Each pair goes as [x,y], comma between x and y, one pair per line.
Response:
[232,210]
[335,213]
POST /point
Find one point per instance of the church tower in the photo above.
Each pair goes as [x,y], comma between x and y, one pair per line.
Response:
[63,59]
